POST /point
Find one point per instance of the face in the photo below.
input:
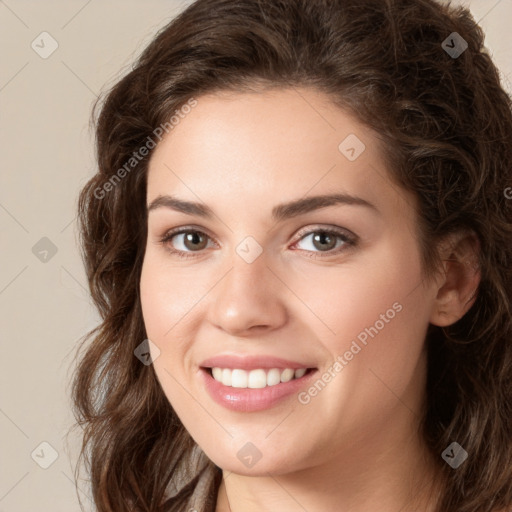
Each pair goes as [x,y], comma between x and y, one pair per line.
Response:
[260,269]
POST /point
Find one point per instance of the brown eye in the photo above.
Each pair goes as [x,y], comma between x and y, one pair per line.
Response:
[325,241]
[194,240]
[185,241]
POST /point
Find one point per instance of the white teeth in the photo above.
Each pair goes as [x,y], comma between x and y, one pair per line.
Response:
[300,372]
[273,377]
[226,377]
[255,379]
[238,379]
[287,375]
[217,374]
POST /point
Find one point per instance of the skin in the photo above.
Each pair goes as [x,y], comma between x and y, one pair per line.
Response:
[355,446]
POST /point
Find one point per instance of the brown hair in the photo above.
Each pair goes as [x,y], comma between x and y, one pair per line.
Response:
[445,123]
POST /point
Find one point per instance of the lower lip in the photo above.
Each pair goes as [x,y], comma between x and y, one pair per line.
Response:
[251,400]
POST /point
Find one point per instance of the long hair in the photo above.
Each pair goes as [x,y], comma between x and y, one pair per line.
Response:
[445,124]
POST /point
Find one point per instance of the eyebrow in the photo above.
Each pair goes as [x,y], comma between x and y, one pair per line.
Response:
[279,213]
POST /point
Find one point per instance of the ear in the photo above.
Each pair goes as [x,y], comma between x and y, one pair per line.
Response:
[458,285]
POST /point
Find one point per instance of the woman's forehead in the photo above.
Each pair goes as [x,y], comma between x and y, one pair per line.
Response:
[281,144]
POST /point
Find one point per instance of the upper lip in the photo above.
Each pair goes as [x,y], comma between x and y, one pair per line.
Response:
[251,362]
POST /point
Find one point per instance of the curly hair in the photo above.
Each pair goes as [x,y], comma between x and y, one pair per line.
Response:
[445,124]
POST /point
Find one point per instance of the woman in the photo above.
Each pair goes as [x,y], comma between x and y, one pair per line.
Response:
[300,241]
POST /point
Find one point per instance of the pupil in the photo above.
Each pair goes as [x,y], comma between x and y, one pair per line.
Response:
[322,237]
[193,238]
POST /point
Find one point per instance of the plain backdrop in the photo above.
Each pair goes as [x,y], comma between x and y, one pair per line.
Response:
[46,157]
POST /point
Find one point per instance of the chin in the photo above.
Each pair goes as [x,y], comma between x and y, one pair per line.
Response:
[241,464]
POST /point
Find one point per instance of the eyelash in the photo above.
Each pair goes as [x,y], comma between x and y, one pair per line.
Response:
[348,241]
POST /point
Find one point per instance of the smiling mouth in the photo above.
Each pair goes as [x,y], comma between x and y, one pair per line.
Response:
[256,379]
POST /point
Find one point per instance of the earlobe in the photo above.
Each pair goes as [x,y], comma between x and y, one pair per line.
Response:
[457,289]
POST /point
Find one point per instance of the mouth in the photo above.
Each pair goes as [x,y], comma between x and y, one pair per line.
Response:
[254,390]
[257,378]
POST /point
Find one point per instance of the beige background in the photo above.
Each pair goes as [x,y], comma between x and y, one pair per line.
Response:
[46,156]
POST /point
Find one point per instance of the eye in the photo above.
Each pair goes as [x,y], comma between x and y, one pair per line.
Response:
[330,241]
[185,240]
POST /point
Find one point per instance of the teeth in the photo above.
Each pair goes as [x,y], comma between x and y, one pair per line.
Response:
[239,379]
[217,374]
[226,377]
[273,377]
[300,373]
[255,379]
[287,375]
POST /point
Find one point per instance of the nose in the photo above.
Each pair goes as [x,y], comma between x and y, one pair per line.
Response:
[249,299]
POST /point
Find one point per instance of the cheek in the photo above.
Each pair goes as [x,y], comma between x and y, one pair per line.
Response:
[379,302]
[373,319]
[367,283]
[168,297]
[165,302]
[162,308]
